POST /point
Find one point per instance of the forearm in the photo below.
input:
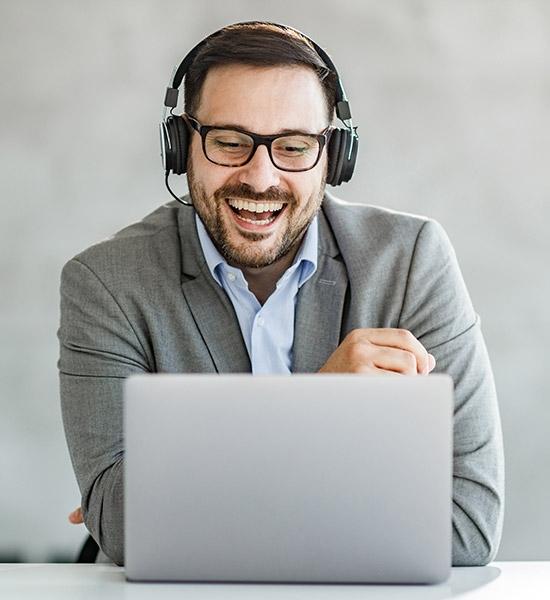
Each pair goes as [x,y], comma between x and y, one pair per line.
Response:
[476,527]
[92,417]
[437,309]
[478,457]
[98,350]
[103,511]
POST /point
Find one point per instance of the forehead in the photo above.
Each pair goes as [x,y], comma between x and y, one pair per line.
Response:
[263,99]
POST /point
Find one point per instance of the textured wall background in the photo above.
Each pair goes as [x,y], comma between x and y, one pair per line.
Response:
[452,100]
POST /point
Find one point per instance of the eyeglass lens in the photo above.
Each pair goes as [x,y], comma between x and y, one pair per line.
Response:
[233,148]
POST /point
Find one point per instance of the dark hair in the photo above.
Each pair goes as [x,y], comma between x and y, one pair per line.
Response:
[258,44]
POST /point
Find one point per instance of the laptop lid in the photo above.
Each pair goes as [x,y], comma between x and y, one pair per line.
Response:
[303,478]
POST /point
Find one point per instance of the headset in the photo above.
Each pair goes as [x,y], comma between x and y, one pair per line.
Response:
[175,133]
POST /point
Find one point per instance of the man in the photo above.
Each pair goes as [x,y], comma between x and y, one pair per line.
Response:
[267,273]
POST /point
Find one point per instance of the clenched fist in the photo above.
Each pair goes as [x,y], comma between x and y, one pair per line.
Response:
[380,351]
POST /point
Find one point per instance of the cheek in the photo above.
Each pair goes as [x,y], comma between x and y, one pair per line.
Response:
[310,182]
[196,156]
[321,168]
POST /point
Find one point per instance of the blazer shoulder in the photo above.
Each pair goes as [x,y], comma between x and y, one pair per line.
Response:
[149,245]
[363,231]
[376,220]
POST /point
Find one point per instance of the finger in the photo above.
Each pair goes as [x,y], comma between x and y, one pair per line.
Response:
[394,359]
[76,517]
[403,339]
[431,358]
[373,370]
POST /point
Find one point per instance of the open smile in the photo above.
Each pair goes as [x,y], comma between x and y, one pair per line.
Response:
[255,215]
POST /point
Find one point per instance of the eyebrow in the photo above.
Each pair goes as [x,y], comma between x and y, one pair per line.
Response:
[280,132]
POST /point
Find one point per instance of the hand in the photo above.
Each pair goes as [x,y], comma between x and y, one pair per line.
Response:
[76,517]
[379,352]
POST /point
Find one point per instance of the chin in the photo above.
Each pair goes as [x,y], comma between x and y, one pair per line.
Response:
[251,260]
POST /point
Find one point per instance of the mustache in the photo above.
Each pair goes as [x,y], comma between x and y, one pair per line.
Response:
[244,191]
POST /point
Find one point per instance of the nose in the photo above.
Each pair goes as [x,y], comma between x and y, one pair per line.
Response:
[260,173]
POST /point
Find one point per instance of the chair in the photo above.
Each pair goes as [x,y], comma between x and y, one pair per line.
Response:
[88,551]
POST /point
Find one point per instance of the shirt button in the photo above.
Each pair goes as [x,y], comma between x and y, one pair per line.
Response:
[261,321]
[231,276]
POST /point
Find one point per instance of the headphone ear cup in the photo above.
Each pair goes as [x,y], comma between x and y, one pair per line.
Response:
[182,134]
[176,154]
[341,167]
[333,153]
[348,164]
[169,144]
[342,154]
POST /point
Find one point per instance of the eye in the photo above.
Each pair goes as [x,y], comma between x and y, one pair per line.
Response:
[226,144]
[295,146]
[294,149]
[229,142]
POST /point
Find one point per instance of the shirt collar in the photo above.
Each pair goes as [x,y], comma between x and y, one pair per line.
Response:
[307,254]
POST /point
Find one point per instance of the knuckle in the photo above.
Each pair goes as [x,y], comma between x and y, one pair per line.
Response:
[359,352]
[410,359]
[409,364]
[354,335]
[356,340]
[405,334]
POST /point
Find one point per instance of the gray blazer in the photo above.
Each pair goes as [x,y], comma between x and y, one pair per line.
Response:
[145,301]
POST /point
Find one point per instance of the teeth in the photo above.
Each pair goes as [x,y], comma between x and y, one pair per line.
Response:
[258,221]
[255,206]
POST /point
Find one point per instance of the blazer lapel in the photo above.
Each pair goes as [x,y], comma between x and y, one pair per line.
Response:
[320,306]
[212,310]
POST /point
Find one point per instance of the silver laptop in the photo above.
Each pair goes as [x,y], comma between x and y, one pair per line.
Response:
[302,478]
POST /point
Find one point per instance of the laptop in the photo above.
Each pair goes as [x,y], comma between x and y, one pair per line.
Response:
[277,478]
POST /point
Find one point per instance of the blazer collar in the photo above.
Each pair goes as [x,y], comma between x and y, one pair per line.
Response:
[320,306]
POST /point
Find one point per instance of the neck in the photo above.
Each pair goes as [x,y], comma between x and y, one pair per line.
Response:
[262,281]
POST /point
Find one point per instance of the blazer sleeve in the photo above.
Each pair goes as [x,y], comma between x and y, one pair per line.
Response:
[437,309]
[98,349]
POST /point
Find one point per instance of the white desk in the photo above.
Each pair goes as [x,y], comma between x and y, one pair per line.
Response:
[498,581]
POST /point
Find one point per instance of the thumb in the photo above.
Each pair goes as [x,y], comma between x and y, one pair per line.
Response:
[76,517]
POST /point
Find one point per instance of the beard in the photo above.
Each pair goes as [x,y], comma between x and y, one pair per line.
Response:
[247,251]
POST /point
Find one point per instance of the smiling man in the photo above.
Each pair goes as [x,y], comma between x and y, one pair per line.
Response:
[265,272]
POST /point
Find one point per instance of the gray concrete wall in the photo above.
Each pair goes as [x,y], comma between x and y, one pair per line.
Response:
[452,101]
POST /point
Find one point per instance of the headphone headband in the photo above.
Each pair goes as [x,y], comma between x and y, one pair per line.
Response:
[343,111]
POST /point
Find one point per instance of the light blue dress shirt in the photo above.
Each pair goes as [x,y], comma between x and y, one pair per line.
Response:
[268,330]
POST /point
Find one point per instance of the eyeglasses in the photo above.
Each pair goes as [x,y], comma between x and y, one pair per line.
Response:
[232,147]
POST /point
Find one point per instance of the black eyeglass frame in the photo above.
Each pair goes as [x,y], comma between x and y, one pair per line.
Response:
[259,140]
